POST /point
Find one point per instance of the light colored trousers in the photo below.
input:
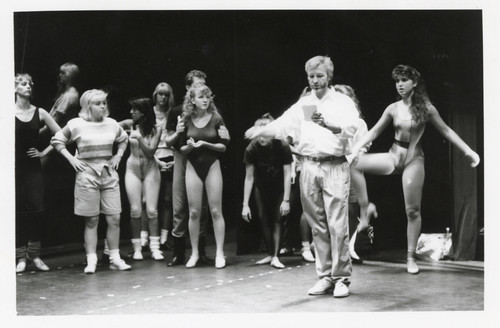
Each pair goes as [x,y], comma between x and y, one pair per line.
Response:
[324,195]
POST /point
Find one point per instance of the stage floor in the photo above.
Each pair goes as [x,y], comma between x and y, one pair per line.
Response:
[379,284]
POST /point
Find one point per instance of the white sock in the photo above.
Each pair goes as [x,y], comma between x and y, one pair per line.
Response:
[114,255]
[91,258]
[306,246]
[136,243]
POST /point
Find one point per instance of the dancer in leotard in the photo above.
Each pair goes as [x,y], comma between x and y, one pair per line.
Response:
[28,174]
[203,146]
[142,176]
[409,116]
[268,164]
[163,98]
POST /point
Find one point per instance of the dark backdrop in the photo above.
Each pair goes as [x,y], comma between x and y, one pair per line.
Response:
[255,64]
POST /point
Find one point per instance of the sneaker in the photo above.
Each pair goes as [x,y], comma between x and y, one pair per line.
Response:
[90,268]
[323,286]
[137,256]
[21,266]
[341,290]
[40,265]
[412,266]
[157,255]
[119,265]
[307,256]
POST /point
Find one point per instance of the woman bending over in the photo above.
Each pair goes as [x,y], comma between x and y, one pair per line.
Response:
[268,165]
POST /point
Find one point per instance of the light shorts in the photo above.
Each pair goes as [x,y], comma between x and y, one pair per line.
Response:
[96,194]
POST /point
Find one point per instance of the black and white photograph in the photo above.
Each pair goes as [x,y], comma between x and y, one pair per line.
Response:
[213,163]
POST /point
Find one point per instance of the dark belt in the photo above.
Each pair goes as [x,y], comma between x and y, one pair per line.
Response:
[403,144]
[327,159]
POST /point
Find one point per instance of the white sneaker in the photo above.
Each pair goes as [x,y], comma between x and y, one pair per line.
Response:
[323,286]
[40,265]
[341,290]
[21,266]
[119,265]
[157,255]
[307,256]
[90,268]
[137,256]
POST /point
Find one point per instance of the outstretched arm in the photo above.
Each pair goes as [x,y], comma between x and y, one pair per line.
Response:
[452,136]
[374,132]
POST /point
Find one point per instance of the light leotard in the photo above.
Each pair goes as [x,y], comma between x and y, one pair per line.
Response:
[406,147]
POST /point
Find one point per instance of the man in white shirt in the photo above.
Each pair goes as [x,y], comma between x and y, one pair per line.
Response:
[322,122]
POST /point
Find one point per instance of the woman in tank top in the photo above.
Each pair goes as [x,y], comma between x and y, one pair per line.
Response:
[28,174]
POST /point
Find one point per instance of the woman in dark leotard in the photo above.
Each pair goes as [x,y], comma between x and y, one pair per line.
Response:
[28,177]
[409,116]
[203,146]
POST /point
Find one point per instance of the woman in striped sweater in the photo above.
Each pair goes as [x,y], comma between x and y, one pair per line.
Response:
[97,184]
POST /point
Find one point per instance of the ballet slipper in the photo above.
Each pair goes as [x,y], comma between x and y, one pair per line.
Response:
[275,263]
[265,260]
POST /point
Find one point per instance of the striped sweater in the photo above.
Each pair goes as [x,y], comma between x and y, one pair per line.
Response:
[94,140]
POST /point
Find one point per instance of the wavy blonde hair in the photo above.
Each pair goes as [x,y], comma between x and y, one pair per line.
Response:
[188,107]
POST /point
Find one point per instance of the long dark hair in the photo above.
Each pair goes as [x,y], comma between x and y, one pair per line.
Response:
[148,122]
[420,102]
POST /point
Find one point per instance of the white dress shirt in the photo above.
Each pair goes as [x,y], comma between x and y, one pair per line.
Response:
[313,139]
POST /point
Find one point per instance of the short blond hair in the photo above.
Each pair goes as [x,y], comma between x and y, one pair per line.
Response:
[85,101]
[319,61]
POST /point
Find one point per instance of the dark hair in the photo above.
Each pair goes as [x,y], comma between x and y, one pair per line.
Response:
[148,122]
[194,73]
[420,102]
